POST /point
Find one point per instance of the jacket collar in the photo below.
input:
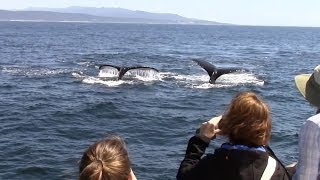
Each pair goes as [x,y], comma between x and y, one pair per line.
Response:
[243,147]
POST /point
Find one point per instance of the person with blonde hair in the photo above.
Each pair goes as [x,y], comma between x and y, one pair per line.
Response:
[247,125]
[308,166]
[106,159]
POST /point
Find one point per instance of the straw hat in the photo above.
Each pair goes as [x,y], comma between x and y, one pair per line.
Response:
[309,86]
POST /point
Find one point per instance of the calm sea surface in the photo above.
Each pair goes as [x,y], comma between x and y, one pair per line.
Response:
[54,102]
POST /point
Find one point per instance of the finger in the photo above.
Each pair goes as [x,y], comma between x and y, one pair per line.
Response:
[203,126]
[215,120]
[216,117]
[209,125]
[217,131]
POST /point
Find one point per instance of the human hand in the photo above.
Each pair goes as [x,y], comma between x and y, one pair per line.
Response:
[292,168]
[209,129]
[132,176]
[215,121]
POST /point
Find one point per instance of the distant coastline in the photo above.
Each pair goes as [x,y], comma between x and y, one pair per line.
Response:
[98,15]
[39,20]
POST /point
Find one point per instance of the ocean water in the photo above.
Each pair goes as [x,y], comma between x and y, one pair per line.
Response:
[54,101]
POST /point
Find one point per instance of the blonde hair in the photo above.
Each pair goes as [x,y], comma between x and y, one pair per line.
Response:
[106,159]
[247,120]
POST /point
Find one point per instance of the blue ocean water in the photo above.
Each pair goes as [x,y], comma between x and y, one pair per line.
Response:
[55,101]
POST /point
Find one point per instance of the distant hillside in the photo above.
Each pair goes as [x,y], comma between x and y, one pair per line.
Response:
[101,15]
[70,17]
[113,12]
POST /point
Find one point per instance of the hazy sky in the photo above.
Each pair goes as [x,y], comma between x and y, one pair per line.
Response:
[244,12]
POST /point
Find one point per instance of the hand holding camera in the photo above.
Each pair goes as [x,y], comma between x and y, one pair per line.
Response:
[209,129]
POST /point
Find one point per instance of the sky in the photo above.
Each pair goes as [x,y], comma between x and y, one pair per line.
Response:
[241,12]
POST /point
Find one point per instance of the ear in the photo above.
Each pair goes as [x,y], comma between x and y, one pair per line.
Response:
[132,176]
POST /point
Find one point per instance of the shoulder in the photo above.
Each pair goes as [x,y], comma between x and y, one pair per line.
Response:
[315,119]
[312,125]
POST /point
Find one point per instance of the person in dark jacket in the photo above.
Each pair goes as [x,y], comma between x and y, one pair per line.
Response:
[247,125]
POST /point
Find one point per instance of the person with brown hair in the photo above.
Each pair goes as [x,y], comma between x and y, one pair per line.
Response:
[308,166]
[247,125]
[106,159]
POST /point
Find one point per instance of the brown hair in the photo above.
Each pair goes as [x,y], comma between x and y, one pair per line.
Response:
[106,159]
[247,120]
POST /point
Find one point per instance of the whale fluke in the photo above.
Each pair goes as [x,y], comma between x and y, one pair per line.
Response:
[109,65]
[123,70]
[213,71]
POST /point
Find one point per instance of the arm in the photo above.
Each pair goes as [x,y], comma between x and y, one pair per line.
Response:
[309,152]
[192,166]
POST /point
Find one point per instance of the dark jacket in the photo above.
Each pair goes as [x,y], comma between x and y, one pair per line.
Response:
[225,164]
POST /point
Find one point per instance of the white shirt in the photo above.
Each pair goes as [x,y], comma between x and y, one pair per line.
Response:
[308,167]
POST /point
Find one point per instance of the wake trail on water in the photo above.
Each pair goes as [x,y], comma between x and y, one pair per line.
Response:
[33,71]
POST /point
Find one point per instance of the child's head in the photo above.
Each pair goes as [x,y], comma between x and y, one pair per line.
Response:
[106,159]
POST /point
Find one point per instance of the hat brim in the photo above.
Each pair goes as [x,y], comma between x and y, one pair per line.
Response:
[301,83]
[308,89]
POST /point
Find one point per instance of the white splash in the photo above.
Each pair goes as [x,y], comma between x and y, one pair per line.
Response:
[166,75]
[107,77]
[78,75]
[226,80]
[209,86]
[144,75]
[240,78]
[97,80]
[93,80]
[203,78]
[108,71]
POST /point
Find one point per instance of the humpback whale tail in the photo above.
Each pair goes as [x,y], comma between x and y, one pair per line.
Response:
[213,71]
[123,70]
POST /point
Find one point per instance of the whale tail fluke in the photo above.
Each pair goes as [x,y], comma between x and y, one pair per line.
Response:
[210,68]
[214,72]
[109,66]
[123,70]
